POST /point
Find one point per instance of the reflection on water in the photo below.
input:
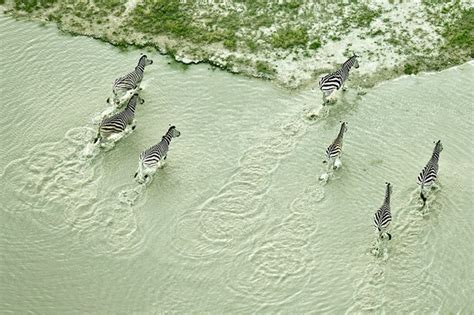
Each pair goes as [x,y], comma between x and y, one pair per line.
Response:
[237,221]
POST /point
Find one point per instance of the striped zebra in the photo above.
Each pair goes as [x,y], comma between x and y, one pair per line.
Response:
[383,217]
[333,152]
[335,80]
[155,156]
[132,80]
[117,123]
[427,176]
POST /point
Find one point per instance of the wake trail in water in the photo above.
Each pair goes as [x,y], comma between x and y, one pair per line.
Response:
[409,257]
[58,188]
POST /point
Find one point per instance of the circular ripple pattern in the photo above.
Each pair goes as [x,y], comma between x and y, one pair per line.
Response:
[59,187]
[236,209]
[276,268]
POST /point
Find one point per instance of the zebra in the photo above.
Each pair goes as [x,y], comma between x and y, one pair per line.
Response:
[154,157]
[383,217]
[333,152]
[427,176]
[132,80]
[335,80]
[118,122]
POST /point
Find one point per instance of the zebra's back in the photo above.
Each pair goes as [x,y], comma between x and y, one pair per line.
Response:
[334,150]
[382,218]
[116,123]
[331,82]
[129,81]
[153,155]
[428,175]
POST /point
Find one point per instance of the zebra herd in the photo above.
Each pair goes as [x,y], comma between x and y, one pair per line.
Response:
[128,86]
[426,179]
[114,126]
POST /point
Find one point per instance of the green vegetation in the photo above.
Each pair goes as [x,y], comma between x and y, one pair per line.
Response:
[269,31]
[315,44]
[265,68]
[365,16]
[460,33]
[289,37]
[410,69]
[32,5]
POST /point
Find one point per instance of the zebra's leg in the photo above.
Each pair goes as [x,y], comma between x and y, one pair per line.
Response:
[162,162]
[423,198]
[326,94]
[97,137]
[337,163]
[344,87]
[133,124]
[435,186]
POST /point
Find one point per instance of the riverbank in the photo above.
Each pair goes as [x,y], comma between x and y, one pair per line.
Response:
[291,42]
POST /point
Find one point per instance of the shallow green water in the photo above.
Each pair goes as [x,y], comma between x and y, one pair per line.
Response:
[237,221]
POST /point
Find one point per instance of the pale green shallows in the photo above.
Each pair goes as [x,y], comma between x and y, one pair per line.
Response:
[236,222]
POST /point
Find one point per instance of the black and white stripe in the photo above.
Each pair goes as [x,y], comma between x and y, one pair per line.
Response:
[154,157]
[383,217]
[118,122]
[132,80]
[333,152]
[428,175]
[334,81]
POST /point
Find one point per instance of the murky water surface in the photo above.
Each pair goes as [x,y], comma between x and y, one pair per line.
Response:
[237,221]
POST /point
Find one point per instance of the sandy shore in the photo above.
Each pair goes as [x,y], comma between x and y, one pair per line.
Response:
[290,42]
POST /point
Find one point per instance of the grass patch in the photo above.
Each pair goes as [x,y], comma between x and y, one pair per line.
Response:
[289,38]
[315,44]
[264,68]
[460,33]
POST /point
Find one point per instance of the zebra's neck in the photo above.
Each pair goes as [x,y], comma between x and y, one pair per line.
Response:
[436,152]
[167,138]
[387,196]
[340,134]
[435,156]
[141,65]
[346,66]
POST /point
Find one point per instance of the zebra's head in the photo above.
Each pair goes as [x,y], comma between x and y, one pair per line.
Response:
[356,62]
[145,61]
[174,132]
[438,146]
[343,127]
[389,188]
